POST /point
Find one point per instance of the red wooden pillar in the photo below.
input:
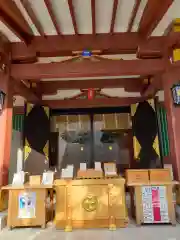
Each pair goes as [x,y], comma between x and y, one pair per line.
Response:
[6,115]
[173,119]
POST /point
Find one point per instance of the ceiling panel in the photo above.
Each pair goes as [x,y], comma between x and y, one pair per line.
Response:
[119,92]
[104,9]
[62,94]
[63,16]
[42,14]
[83,16]
[123,15]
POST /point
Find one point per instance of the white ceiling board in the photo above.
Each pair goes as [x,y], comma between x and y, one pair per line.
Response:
[104,9]
[119,92]
[172,13]
[89,78]
[26,17]
[123,15]
[62,94]
[42,14]
[139,15]
[52,59]
[83,16]
[18,101]
[8,33]
[121,56]
[160,95]
[63,16]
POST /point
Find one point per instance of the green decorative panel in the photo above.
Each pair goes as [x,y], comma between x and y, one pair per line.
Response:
[18,122]
[163,130]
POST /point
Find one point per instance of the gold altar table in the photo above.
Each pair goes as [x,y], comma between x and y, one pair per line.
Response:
[90,203]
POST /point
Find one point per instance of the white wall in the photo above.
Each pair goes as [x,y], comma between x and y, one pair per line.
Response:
[16,159]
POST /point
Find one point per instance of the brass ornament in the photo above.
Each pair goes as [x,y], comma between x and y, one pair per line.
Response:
[90,203]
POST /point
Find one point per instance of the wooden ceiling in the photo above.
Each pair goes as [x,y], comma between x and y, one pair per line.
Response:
[39,29]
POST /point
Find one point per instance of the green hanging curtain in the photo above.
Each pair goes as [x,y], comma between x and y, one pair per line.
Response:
[18,122]
[163,130]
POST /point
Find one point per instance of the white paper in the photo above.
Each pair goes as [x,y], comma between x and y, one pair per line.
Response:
[98,166]
[83,166]
[27,205]
[148,204]
[109,169]
[18,178]
[66,173]
[48,178]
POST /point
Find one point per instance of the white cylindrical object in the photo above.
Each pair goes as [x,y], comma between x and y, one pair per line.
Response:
[19,160]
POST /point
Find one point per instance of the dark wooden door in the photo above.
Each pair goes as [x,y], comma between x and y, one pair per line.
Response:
[53,150]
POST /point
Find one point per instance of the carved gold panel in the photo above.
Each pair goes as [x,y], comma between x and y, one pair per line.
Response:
[89,202]
[116,201]
[61,203]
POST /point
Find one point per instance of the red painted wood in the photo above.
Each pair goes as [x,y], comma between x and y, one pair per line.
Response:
[115,5]
[85,103]
[173,116]
[87,69]
[152,15]
[130,84]
[72,12]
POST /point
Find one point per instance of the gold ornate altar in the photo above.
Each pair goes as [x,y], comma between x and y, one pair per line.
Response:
[90,203]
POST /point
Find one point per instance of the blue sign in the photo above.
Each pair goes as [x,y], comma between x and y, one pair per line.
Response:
[86,53]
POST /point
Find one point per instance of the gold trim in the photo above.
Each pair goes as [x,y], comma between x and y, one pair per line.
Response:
[90,203]
[156,145]
[27,150]
[134,108]
[112,227]
[151,103]
[176,28]
[137,148]
[176,55]
[46,150]
[29,108]
[46,109]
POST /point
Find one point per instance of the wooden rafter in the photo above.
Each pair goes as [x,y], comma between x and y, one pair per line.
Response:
[58,46]
[130,84]
[115,4]
[133,15]
[20,89]
[11,16]
[85,103]
[72,12]
[153,13]
[93,10]
[52,15]
[120,43]
[87,69]
[153,87]
[32,16]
